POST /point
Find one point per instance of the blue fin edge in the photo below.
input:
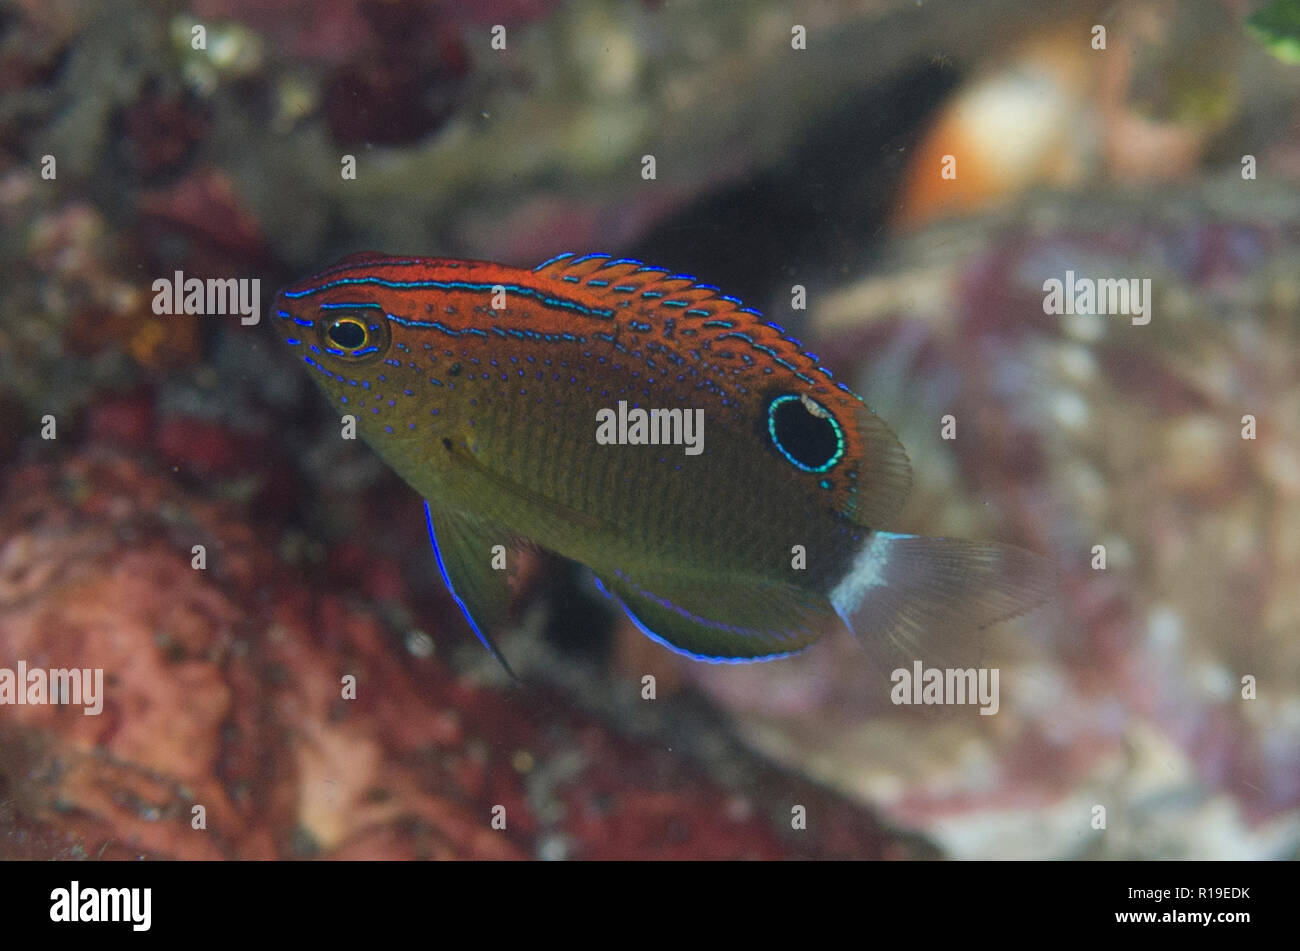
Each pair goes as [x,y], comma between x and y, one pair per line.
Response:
[451,589]
[708,659]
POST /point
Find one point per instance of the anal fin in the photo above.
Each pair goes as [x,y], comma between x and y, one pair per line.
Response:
[727,623]
[558,511]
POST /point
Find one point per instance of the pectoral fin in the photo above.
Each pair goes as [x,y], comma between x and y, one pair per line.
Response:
[463,548]
[486,475]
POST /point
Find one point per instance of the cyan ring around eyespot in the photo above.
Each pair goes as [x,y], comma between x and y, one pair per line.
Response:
[838,430]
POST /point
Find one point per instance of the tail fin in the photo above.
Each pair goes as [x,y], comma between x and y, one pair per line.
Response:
[909,597]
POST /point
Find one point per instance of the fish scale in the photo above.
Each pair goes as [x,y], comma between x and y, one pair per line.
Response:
[773,533]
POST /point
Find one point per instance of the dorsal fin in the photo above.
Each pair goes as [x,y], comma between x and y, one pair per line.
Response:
[712,314]
[656,285]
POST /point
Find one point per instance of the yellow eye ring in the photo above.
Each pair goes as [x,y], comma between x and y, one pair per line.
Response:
[347,333]
[352,336]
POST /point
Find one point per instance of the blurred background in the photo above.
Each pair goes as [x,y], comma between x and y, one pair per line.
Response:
[794,144]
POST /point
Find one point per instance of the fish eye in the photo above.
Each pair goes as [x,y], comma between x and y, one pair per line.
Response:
[805,432]
[353,332]
[348,333]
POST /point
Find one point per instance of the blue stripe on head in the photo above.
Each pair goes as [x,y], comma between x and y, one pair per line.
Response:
[541,297]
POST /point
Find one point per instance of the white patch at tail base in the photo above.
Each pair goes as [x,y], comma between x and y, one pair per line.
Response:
[866,572]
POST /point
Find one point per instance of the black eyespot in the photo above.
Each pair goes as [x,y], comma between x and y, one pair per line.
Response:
[805,432]
[347,333]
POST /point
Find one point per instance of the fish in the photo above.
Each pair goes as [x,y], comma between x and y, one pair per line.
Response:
[724,488]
